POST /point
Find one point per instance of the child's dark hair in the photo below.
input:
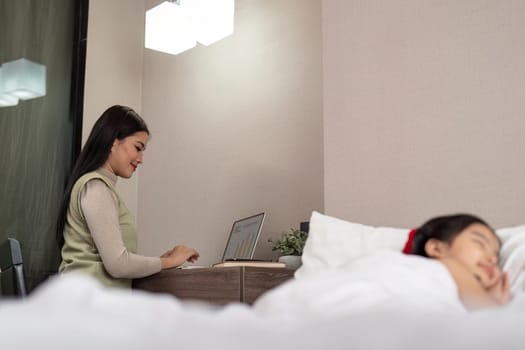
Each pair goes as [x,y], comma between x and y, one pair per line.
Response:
[443,228]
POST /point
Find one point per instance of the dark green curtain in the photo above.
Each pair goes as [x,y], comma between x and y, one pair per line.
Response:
[37,136]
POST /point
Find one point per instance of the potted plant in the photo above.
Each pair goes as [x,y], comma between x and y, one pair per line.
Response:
[290,246]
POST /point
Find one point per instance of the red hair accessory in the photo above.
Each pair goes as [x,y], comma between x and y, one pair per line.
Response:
[408,245]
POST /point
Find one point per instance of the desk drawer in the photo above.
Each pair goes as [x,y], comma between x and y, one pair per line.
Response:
[217,285]
[259,280]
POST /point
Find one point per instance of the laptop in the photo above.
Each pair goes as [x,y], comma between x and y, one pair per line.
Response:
[243,238]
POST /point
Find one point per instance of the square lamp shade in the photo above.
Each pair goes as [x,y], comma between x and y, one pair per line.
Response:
[212,20]
[168,29]
[6,100]
[22,79]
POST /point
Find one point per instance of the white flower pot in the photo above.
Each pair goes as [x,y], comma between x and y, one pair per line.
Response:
[292,261]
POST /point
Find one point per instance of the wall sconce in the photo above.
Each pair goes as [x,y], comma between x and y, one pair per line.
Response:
[21,79]
[175,26]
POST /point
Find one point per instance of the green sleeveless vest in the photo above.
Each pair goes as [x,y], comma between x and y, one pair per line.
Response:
[79,252]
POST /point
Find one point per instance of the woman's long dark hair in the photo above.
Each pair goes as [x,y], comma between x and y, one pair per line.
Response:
[443,228]
[116,123]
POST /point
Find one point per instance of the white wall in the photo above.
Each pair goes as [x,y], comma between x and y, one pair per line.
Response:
[424,110]
[236,130]
[236,126]
[114,67]
[422,114]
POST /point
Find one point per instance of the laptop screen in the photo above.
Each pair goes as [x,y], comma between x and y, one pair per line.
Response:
[243,238]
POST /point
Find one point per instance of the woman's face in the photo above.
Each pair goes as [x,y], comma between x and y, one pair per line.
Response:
[126,154]
[476,248]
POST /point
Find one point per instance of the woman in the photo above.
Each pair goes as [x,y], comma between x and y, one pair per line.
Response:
[95,229]
[469,248]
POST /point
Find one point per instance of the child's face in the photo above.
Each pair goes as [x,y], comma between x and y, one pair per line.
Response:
[477,248]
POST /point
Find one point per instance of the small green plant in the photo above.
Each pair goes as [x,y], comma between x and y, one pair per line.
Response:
[291,242]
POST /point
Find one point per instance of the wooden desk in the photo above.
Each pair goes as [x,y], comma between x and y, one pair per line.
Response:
[217,285]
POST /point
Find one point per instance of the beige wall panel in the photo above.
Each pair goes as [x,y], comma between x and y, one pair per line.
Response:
[114,68]
[236,130]
[424,110]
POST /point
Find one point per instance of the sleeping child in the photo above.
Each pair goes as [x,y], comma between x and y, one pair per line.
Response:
[452,267]
[469,248]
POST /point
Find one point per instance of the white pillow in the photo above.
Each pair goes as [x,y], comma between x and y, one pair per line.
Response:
[513,256]
[334,242]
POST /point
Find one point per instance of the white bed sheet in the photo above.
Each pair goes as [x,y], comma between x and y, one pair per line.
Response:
[352,308]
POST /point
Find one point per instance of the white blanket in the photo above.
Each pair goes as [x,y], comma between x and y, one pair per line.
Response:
[415,307]
[385,281]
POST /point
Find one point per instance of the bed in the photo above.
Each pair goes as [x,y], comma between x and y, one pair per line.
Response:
[341,298]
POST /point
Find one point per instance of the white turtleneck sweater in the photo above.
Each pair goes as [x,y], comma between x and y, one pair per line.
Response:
[100,208]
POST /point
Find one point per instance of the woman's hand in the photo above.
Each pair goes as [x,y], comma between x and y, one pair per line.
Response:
[178,256]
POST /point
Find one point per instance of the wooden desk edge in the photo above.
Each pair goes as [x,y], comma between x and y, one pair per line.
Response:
[215,284]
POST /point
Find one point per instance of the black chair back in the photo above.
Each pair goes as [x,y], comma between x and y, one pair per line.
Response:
[12,282]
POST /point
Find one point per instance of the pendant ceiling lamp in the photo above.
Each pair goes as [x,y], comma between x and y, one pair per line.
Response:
[21,79]
[7,100]
[168,29]
[176,26]
[212,19]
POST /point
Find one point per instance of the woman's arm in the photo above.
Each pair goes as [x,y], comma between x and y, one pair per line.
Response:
[100,210]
